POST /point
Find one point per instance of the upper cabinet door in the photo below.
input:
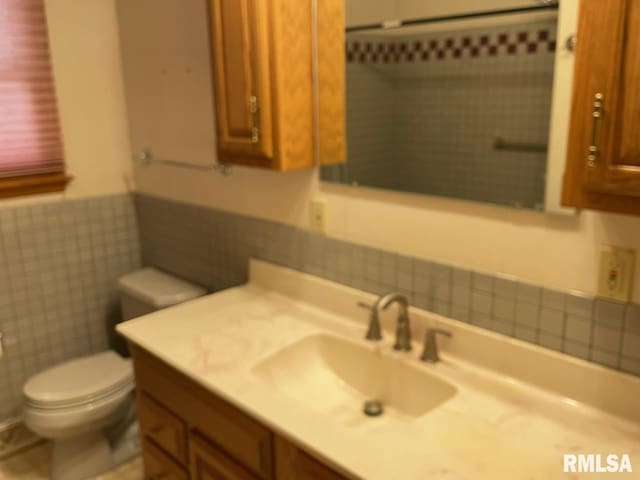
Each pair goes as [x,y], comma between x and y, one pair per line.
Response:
[280,90]
[240,45]
[603,165]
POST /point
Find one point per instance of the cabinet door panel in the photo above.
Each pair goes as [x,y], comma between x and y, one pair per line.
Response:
[241,66]
[208,463]
[293,464]
[603,163]
[158,465]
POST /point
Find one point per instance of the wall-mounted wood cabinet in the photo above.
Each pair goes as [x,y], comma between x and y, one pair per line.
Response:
[603,164]
[247,82]
[279,82]
[189,433]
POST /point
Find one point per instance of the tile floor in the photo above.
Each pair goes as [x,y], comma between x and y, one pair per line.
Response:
[33,464]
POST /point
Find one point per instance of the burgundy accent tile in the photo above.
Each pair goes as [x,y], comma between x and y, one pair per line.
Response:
[522,37]
[503,38]
[493,50]
[441,54]
[425,55]
[410,56]
[385,59]
[350,57]
[367,47]
[403,47]
[512,49]
[466,42]
[362,58]
[532,48]
[433,44]
[417,46]
[484,40]
[457,53]
[392,48]
[356,46]
[543,34]
[374,58]
[380,47]
[552,46]
[475,52]
[396,57]
[449,43]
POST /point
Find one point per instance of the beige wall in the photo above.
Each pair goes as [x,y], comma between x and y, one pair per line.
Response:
[86,62]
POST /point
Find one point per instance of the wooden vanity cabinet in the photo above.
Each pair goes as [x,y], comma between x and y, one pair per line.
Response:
[189,433]
[603,164]
[265,90]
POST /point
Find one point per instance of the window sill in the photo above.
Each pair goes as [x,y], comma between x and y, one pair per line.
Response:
[33,184]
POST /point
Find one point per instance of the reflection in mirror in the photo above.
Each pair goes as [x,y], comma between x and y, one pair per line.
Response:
[451,108]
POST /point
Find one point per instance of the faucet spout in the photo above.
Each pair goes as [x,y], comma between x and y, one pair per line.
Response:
[403,327]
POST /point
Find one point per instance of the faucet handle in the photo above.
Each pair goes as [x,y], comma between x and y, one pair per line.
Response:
[374,332]
[430,352]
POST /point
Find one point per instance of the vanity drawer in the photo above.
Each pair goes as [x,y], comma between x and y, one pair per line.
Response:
[158,465]
[163,427]
[240,437]
[207,462]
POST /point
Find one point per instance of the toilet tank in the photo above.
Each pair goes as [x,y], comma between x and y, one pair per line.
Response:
[147,290]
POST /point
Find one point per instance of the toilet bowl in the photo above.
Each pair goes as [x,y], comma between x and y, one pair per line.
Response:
[74,405]
[86,406]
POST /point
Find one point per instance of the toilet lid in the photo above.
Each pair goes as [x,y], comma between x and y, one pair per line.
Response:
[79,381]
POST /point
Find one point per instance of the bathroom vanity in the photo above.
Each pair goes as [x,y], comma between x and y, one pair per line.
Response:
[268,381]
[189,432]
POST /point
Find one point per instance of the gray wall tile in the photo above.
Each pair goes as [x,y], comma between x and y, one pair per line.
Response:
[578,330]
[527,314]
[576,349]
[551,321]
[606,339]
[631,345]
[609,314]
[553,299]
[607,359]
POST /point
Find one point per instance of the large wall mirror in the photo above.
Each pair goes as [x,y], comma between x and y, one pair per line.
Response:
[450,98]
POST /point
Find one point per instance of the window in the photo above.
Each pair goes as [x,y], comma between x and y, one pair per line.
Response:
[31,153]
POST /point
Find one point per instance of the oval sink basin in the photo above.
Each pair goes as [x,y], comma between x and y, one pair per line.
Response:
[336,376]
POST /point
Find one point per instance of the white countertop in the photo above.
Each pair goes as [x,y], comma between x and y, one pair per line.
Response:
[498,426]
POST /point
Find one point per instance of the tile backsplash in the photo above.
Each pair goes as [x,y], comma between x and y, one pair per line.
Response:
[59,263]
[212,248]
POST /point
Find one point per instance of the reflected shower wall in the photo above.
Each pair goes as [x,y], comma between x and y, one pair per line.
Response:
[425,110]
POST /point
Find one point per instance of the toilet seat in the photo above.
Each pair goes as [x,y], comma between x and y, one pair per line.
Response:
[80,382]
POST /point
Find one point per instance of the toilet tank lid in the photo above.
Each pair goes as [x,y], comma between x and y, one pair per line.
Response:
[158,289]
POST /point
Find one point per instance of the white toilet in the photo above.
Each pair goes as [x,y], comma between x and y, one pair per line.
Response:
[87,406]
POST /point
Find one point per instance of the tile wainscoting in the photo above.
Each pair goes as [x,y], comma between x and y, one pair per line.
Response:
[212,248]
[59,263]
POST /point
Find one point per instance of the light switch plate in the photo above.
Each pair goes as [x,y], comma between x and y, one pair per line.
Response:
[318,215]
[615,277]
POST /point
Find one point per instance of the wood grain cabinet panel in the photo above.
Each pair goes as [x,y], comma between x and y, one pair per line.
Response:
[272,92]
[603,164]
[294,464]
[159,466]
[209,463]
[163,427]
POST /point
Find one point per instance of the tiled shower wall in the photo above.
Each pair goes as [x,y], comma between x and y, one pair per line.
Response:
[424,111]
[212,247]
[59,263]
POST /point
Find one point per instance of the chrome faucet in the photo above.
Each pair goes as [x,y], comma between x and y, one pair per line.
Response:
[403,329]
[430,353]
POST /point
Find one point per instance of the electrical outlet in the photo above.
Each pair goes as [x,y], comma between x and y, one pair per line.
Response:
[318,215]
[615,279]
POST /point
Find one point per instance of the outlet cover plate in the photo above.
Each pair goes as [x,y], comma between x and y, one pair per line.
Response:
[615,277]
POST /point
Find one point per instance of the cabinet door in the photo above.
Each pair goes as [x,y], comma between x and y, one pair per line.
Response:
[209,463]
[293,464]
[603,166]
[157,465]
[240,52]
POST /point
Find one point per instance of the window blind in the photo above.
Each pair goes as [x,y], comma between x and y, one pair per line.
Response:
[30,141]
